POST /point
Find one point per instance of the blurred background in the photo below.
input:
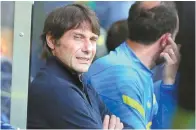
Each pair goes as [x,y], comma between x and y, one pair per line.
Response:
[20,52]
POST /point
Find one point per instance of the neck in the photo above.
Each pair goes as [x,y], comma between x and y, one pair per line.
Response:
[146,53]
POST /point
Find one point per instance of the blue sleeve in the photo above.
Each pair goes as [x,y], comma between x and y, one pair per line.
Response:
[168,93]
[161,90]
[132,110]
[166,101]
[165,88]
[122,96]
[166,97]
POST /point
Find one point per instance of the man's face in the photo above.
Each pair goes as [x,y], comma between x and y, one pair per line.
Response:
[77,48]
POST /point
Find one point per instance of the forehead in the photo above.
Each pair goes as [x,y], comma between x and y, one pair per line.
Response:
[85,28]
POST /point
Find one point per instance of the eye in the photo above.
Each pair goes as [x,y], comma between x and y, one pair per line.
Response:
[93,39]
[77,37]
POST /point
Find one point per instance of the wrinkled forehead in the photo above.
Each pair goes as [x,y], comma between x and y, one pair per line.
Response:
[85,26]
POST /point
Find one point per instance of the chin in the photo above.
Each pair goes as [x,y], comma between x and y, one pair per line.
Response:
[82,69]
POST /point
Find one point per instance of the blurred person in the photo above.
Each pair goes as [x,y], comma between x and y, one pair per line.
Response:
[6,72]
[101,45]
[124,78]
[6,79]
[117,34]
[57,98]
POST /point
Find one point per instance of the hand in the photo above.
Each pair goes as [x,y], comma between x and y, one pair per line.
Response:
[112,122]
[171,54]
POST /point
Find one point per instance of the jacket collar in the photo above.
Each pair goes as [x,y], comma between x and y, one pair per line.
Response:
[57,68]
[130,53]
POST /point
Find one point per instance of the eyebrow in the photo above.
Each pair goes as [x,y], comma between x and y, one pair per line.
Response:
[82,35]
[77,33]
[94,37]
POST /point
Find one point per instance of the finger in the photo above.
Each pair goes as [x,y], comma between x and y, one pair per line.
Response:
[167,58]
[112,123]
[164,44]
[118,125]
[166,50]
[177,55]
[122,126]
[164,40]
[172,55]
[106,122]
[174,45]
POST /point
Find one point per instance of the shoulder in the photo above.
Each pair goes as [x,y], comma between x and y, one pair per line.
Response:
[46,86]
[114,60]
[119,72]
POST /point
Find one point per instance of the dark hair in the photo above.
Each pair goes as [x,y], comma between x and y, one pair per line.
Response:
[147,25]
[117,33]
[66,18]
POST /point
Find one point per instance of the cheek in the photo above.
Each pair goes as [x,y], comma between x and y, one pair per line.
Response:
[74,52]
[94,49]
[65,52]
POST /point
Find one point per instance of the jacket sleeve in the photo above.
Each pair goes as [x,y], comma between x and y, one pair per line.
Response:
[102,107]
[64,108]
[130,109]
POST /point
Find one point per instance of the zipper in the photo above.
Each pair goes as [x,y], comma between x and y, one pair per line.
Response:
[92,110]
[84,91]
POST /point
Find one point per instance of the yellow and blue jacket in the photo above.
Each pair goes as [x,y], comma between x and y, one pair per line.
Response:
[125,85]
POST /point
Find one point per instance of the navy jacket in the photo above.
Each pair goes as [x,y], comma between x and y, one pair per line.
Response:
[57,99]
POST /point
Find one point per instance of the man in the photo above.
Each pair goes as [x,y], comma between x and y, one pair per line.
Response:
[57,98]
[124,78]
[166,99]
[117,34]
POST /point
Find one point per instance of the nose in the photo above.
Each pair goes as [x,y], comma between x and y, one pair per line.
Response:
[87,46]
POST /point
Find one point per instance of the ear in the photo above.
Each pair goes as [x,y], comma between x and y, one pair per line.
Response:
[50,41]
[163,39]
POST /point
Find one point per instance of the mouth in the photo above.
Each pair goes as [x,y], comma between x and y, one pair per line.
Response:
[83,60]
